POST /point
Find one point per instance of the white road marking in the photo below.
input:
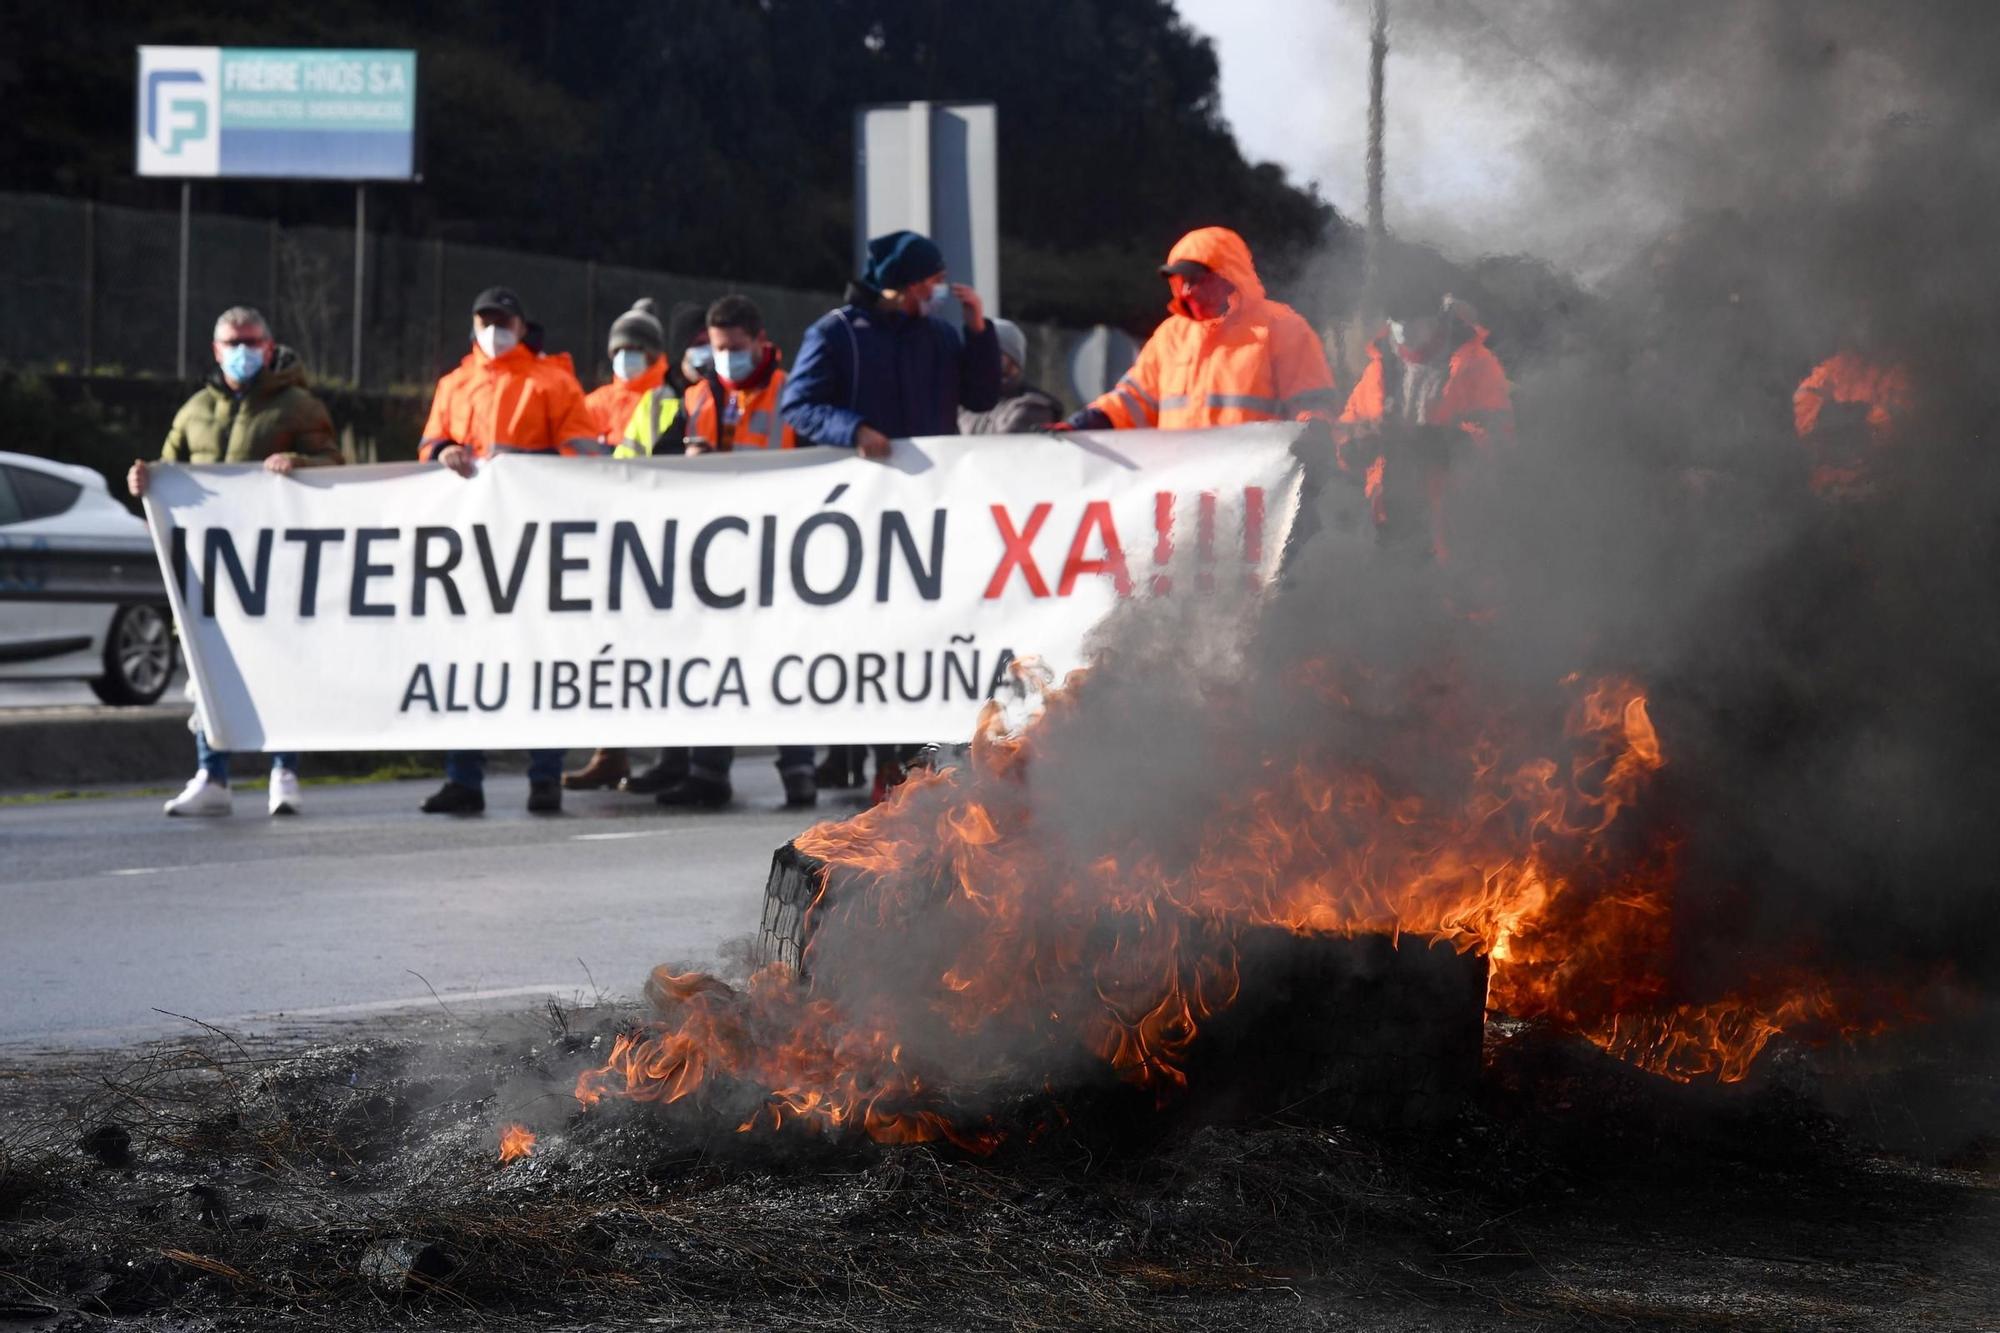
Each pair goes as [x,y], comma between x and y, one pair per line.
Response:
[426,1001]
[619,837]
[137,870]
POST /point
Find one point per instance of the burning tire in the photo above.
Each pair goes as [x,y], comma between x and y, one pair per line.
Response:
[793,885]
[1368,1030]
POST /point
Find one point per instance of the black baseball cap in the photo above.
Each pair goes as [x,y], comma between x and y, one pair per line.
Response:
[1187,268]
[501,299]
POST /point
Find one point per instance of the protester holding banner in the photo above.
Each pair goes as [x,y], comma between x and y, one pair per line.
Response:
[502,398]
[254,408]
[658,423]
[744,415]
[751,378]
[882,367]
[1226,355]
[638,351]
[1022,406]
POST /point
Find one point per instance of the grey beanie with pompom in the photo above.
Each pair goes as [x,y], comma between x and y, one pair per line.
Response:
[639,327]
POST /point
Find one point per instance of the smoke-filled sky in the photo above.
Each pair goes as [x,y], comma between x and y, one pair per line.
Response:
[1568,130]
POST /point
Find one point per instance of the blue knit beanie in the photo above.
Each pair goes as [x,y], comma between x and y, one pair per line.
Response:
[901,258]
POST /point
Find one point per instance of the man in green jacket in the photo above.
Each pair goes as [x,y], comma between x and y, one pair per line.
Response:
[254,408]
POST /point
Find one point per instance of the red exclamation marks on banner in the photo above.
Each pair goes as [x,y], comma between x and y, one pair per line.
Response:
[1164,505]
[1253,536]
[1163,541]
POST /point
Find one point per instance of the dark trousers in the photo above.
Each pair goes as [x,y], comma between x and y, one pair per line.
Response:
[468,767]
[713,761]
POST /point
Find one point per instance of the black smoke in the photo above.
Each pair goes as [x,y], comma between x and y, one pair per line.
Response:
[1823,672]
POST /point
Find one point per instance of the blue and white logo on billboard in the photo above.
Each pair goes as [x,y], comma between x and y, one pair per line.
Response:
[180,113]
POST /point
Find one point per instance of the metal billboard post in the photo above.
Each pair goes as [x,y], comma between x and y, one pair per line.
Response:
[181,338]
[360,270]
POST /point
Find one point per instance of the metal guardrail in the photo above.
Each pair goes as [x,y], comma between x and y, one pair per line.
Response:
[61,569]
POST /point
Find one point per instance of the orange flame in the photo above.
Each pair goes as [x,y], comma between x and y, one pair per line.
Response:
[516,1141]
[965,930]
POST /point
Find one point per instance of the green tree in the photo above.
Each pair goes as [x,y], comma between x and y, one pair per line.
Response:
[716,136]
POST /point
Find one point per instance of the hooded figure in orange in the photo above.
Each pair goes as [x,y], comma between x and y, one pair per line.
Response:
[1430,386]
[1226,355]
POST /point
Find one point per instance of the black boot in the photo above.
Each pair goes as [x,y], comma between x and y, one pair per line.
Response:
[842,767]
[673,766]
[801,789]
[695,792]
[455,798]
[545,798]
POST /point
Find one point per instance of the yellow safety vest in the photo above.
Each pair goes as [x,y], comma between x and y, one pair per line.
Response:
[652,417]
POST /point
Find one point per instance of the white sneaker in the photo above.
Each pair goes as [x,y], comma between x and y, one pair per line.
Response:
[202,796]
[284,792]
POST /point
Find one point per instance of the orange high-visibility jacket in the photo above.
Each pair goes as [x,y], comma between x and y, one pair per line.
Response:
[611,404]
[1259,361]
[754,419]
[513,403]
[1475,399]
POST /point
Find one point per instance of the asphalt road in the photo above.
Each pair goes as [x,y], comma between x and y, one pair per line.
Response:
[110,912]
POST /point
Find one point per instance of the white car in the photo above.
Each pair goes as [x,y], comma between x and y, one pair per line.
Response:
[125,652]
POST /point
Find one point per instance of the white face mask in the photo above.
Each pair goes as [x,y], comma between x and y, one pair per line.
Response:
[496,339]
[1416,332]
[628,363]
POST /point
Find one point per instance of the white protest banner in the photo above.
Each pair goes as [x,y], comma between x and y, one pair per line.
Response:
[802,597]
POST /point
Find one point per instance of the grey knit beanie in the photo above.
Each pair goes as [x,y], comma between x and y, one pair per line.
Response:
[639,327]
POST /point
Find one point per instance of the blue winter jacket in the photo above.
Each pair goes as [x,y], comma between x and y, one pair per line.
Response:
[861,365]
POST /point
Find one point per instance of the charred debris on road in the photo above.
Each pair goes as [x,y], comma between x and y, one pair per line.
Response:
[206,1184]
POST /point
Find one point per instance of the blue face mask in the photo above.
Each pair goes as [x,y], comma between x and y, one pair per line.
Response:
[737,364]
[628,363]
[701,358]
[241,363]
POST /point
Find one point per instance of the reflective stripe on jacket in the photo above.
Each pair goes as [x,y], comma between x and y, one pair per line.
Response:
[754,421]
[513,403]
[655,417]
[1258,361]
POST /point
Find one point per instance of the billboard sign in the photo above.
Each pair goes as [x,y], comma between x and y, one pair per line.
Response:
[933,167]
[302,114]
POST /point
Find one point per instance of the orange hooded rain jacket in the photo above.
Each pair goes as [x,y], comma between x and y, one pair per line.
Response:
[513,403]
[610,404]
[1258,361]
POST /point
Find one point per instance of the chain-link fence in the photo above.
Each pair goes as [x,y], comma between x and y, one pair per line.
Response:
[94,288]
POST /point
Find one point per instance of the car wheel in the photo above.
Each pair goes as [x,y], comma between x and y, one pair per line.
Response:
[138,657]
